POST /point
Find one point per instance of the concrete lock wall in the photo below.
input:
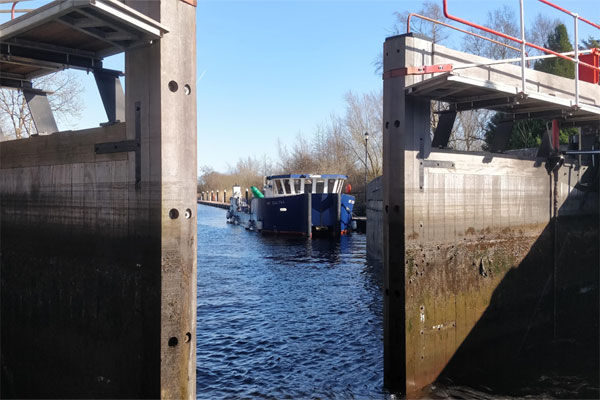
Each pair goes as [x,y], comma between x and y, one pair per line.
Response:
[98,251]
[488,258]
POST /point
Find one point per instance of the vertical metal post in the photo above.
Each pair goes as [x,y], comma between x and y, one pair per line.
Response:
[575,17]
[523,80]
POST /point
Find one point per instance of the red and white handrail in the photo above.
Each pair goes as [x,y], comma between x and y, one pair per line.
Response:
[524,43]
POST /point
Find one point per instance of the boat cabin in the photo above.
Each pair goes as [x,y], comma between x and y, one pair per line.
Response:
[292,184]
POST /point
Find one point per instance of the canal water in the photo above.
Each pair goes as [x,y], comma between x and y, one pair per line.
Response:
[286,318]
[302,319]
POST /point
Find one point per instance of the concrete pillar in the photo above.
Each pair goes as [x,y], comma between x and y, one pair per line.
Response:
[160,88]
[401,118]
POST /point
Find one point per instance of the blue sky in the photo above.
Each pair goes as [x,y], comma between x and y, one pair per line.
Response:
[269,70]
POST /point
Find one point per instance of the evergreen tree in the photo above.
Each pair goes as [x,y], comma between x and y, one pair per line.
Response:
[528,133]
[559,42]
[590,43]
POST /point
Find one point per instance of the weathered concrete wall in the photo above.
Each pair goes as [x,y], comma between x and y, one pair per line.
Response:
[478,250]
[375,220]
[98,251]
[80,271]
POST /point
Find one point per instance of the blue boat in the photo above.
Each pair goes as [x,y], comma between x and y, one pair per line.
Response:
[297,204]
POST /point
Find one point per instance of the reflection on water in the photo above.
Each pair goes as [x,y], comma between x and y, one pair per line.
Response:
[285,318]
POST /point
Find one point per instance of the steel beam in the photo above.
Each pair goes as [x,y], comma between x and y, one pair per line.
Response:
[41,112]
[443,129]
[111,92]
[502,137]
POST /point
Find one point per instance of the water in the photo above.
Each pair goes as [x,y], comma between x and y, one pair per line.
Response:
[280,317]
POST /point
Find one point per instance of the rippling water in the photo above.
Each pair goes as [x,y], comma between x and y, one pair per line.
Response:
[280,317]
[286,318]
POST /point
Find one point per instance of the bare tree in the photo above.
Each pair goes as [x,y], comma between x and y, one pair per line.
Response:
[502,19]
[364,113]
[300,159]
[64,97]
[469,131]
[437,33]
[541,28]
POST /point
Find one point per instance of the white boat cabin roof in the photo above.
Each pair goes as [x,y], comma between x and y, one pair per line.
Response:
[293,184]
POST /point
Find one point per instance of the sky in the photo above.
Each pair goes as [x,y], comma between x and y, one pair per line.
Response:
[268,71]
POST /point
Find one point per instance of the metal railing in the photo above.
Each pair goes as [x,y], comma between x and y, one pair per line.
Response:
[524,43]
[457,29]
[13,10]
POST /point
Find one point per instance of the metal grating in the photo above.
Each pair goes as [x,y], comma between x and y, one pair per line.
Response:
[466,93]
[70,34]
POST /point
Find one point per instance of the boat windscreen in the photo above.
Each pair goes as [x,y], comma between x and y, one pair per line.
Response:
[320,186]
[286,186]
[278,188]
[297,185]
[308,185]
[331,185]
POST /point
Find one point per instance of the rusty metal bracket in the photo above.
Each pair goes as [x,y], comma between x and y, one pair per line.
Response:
[431,164]
[421,70]
[126,146]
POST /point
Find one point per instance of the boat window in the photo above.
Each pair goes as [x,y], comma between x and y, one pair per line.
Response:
[298,186]
[320,187]
[278,188]
[339,184]
[286,186]
[331,185]
[308,185]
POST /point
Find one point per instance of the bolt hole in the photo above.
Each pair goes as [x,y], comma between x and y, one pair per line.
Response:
[188,337]
[173,342]
[187,89]
[188,214]
[387,125]
[396,123]
[173,214]
[173,86]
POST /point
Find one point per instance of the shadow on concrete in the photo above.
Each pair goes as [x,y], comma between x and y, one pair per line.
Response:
[540,335]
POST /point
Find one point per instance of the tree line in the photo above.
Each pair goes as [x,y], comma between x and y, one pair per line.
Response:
[338,146]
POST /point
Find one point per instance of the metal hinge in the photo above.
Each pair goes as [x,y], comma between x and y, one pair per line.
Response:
[431,164]
[126,146]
